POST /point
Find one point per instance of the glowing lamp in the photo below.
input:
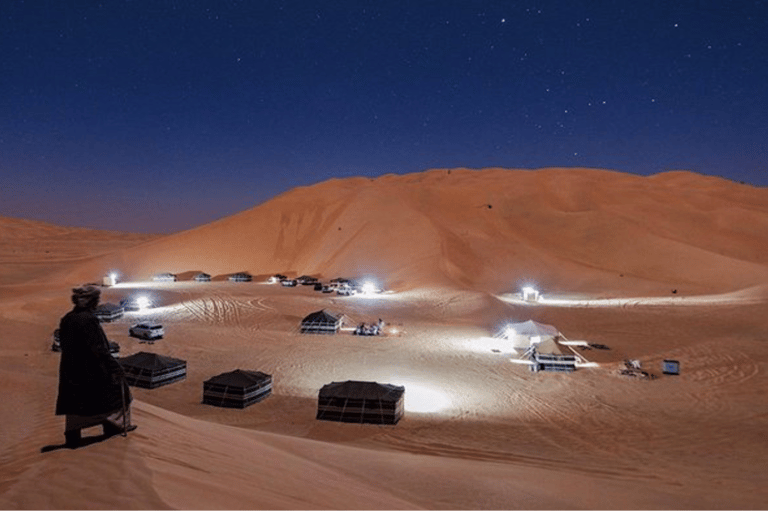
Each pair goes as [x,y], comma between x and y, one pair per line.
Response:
[142,302]
[110,279]
[509,331]
[369,288]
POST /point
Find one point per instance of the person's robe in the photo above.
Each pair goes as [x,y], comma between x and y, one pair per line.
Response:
[91,381]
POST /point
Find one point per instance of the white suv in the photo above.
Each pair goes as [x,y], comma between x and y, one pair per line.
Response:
[146,331]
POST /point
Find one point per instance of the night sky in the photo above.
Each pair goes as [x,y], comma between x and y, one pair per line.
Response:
[158,116]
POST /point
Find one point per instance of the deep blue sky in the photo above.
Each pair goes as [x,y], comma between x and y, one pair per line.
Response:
[162,115]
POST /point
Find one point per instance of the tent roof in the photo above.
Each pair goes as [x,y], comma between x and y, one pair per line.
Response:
[362,390]
[321,316]
[531,328]
[151,361]
[239,378]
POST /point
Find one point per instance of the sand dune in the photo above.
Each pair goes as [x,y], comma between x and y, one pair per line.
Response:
[479,432]
[32,250]
[488,230]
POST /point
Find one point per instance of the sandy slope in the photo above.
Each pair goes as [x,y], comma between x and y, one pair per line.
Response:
[581,230]
[479,431]
[31,250]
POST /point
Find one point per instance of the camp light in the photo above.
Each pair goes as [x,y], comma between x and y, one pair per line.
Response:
[509,331]
[369,288]
[142,302]
[530,294]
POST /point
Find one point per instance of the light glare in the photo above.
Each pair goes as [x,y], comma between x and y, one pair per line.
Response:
[142,302]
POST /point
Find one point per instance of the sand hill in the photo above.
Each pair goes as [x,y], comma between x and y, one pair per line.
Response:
[488,230]
[32,250]
[480,431]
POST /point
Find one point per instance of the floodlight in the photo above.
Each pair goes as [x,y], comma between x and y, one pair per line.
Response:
[369,288]
[142,302]
[509,331]
[530,293]
[113,276]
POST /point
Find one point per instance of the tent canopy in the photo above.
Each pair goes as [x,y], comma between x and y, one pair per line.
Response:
[150,361]
[360,390]
[361,402]
[526,335]
[237,389]
[240,378]
[321,322]
[148,370]
[531,328]
[322,317]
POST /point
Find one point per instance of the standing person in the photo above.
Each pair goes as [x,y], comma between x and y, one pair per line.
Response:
[92,386]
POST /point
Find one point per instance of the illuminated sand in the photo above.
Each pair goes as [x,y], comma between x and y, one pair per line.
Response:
[479,431]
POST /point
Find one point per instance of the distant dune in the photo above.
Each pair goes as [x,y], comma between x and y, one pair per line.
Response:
[25,244]
[490,230]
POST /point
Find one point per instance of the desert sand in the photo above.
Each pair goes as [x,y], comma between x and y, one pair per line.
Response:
[673,266]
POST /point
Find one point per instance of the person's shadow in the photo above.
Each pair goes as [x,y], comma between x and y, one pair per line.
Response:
[85,441]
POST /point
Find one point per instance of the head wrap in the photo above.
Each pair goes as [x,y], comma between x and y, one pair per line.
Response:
[86,296]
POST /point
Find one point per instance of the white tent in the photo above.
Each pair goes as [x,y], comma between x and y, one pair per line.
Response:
[525,335]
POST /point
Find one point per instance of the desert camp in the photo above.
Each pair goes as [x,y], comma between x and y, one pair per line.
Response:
[472,255]
[459,342]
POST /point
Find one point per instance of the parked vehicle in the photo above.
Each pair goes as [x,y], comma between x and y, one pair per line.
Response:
[147,331]
[289,282]
[345,290]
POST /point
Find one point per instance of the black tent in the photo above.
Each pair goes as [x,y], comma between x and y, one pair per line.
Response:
[202,277]
[166,276]
[321,322]
[147,370]
[361,402]
[241,277]
[107,312]
[237,389]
